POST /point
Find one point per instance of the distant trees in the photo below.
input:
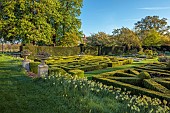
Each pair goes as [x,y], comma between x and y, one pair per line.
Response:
[153,31]
[39,21]
[126,37]
[152,38]
[100,38]
[151,22]
[150,31]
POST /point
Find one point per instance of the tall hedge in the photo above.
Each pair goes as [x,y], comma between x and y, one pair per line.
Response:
[54,51]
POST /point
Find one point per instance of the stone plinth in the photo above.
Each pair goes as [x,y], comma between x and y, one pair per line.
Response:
[25,65]
[42,70]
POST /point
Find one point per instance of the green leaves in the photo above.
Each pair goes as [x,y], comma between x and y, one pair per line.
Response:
[151,22]
[39,20]
[125,36]
[152,38]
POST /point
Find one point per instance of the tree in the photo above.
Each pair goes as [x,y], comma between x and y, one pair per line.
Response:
[100,38]
[70,23]
[165,40]
[27,21]
[152,38]
[40,21]
[70,40]
[151,22]
[126,37]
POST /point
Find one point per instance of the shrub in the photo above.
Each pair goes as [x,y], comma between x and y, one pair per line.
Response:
[121,74]
[148,52]
[141,52]
[34,67]
[134,89]
[168,65]
[130,80]
[132,71]
[150,84]
[129,61]
[144,75]
[163,59]
[56,71]
[113,64]
[55,51]
[79,73]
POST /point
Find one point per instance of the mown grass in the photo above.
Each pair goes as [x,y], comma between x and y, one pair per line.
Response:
[109,69]
[22,94]
[60,94]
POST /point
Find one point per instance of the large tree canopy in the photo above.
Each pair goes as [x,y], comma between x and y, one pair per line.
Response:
[126,37]
[43,21]
[70,24]
[151,22]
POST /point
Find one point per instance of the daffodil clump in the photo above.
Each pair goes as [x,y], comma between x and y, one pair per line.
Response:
[86,91]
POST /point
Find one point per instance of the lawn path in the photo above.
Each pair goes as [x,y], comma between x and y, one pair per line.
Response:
[109,69]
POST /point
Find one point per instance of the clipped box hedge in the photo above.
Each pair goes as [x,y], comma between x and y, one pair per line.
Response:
[150,84]
[164,83]
[129,80]
[131,71]
[113,64]
[132,88]
[56,71]
[122,74]
[34,67]
[77,72]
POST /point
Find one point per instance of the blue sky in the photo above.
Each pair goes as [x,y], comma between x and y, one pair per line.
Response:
[106,15]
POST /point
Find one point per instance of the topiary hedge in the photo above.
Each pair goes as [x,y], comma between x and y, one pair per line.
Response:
[129,80]
[132,88]
[144,75]
[56,71]
[77,72]
[34,67]
[122,74]
[150,84]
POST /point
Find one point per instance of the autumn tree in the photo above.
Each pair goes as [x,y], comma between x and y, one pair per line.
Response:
[151,22]
[126,37]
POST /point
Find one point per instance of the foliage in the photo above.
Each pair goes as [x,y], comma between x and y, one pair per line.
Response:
[144,75]
[151,22]
[165,40]
[77,73]
[126,37]
[168,65]
[163,59]
[148,52]
[54,94]
[100,38]
[34,67]
[152,38]
[40,21]
[54,51]
[70,23]
[70,40]
[56,71]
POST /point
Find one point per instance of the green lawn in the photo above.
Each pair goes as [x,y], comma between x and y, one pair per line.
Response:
[58,94]
[22,94]
[96,72]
